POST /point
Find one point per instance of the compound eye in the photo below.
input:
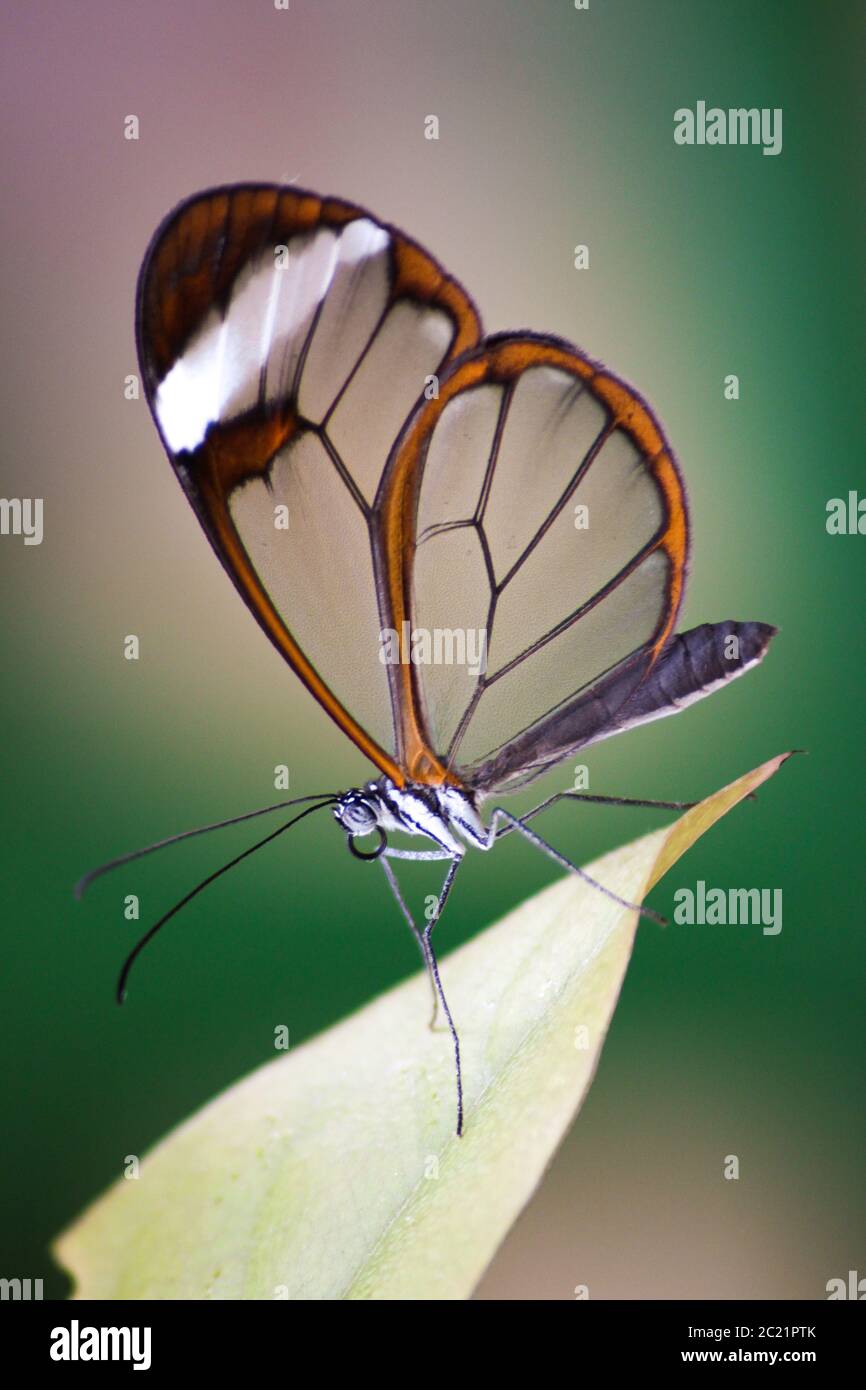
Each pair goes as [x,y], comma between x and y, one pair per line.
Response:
[358,818]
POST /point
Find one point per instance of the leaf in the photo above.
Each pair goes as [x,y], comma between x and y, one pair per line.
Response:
[334,1172]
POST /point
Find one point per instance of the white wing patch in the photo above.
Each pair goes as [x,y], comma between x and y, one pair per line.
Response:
[254,350]
[187,400]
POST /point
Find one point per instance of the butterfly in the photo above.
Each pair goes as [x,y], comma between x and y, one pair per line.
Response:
[472,550]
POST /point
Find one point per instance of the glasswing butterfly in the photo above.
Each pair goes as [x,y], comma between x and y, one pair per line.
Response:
[387,489]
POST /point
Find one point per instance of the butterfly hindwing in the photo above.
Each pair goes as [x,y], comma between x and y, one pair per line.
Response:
[538,506]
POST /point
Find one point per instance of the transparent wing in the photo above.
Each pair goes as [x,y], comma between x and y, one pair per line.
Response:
[284,340]
[548,549]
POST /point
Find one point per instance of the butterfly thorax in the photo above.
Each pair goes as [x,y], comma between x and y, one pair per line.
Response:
[447,815]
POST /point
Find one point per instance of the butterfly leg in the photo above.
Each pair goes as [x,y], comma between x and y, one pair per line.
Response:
[426,943]
[605,800]
[424,855]
[418,855]
[428,932]
[534,838]
[416,932]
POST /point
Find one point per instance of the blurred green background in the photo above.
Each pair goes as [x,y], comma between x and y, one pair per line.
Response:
[556,127]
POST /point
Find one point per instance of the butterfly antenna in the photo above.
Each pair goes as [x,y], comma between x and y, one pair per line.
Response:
[84,883]
[149,935]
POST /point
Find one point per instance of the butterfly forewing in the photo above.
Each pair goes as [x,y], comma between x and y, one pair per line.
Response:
[284,340]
